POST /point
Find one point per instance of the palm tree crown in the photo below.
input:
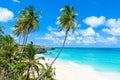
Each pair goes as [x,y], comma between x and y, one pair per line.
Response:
[28,22]
[67,19]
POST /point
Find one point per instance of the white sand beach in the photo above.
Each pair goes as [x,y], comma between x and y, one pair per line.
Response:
[73,71]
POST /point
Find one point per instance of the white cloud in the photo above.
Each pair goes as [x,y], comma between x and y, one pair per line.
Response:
[112,31]
[48,37]
[113,27]
[87,36]
[71,38]
[50,28]
[94,21]
[88,40]
[112,39]
[113,23]
[99,38]
[61,33]
[76,32]
[17,1]
[5,15]
[88,32]
[79,39]
[108,40]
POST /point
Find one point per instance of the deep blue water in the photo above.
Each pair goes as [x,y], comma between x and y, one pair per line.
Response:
[102,59]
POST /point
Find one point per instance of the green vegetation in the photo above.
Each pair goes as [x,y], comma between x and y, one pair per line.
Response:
[19,62]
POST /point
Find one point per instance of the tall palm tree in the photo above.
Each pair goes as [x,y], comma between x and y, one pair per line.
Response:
[27,23]
[66,22]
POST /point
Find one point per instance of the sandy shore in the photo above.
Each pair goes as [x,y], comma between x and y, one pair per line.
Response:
[73,71]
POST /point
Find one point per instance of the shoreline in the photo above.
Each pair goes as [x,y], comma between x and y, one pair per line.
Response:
[68,70]
[73,71]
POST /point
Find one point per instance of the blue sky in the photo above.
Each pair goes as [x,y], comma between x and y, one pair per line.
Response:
[99,22]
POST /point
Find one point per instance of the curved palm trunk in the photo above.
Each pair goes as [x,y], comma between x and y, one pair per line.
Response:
[55,57]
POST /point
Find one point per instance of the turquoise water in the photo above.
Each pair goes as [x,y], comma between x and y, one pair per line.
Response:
[101,59]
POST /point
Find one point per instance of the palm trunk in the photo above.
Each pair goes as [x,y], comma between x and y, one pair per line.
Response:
[28,73]
[23,47]
[33,72]
[19,39]
[26,40]
[55,57]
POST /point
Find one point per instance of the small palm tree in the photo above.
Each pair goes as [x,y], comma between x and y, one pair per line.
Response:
[66,22]
[33,63]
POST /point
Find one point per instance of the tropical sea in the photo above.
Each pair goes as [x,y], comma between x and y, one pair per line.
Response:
[101,59]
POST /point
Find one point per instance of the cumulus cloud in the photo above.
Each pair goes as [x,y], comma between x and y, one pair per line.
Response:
[88,40]
[113,27]
[87,36]
[79,39]
[61,33]
[48,37]
[71,38]
[50,28]
[107,40]
[112,31]
[94,21]
[113,23]
[88,32]
[112,39]
[17,1]
[5,15]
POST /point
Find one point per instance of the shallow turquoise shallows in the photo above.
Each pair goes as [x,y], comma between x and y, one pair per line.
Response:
[101,59]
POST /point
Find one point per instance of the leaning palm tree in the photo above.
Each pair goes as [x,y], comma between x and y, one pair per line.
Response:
[66,22]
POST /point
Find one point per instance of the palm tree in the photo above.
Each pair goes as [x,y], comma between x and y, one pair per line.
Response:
[27,23]
[32,62]
[66,22]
